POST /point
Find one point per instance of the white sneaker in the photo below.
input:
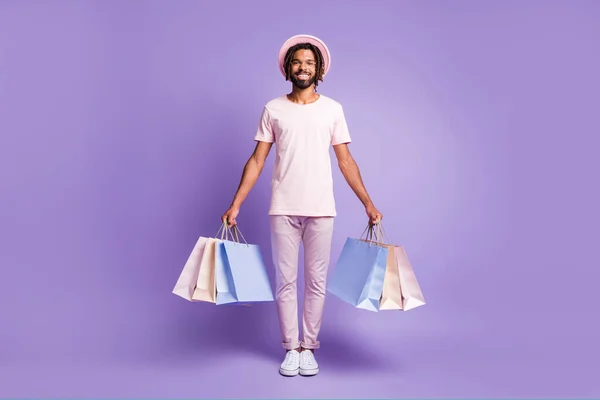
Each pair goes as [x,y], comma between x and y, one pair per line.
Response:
[291,365]
[308,364]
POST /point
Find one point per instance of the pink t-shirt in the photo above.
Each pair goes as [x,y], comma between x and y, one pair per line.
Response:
[302,182]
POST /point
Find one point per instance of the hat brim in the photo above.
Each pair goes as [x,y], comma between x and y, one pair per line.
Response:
[294,40]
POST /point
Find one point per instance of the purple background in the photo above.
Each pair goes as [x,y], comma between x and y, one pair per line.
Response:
[124,130]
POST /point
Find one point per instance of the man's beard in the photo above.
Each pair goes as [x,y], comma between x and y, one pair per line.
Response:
[303,84]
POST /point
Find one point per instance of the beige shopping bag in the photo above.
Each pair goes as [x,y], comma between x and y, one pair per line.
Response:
[401,290]
[197,279]
[391,297]
[412,296]
[205,285]
[186,283]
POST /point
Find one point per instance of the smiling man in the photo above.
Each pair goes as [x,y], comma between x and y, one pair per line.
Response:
[303,125]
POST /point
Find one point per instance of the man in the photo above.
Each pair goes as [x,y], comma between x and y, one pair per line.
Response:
[302,124]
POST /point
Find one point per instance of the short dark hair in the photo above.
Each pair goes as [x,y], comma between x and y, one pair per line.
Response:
[320,68]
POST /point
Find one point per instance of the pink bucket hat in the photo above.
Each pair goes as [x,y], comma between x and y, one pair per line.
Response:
[305,39]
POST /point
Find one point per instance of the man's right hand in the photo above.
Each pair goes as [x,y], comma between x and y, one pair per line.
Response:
[230,215]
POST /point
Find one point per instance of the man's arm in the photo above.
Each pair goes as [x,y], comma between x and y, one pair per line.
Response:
[351,172]
[252,170]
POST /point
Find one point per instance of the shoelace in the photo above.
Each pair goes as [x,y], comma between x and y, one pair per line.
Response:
[291,358]
[307,358]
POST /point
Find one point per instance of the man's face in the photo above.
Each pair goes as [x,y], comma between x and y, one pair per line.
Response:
[303,69]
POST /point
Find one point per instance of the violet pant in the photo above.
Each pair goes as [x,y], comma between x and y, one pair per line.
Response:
[315,233]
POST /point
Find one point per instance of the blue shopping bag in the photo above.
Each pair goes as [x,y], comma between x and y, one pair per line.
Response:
[358,275]
[223,278]
[241,274]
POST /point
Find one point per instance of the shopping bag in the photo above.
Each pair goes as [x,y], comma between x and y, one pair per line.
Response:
[391,296]
[401,290]
[206,289]
[359,273]
[241,272]
[224,280]
[197,281]
[412,296]
[186,283]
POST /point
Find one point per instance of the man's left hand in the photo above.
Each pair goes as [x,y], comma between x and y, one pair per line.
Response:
[374,215]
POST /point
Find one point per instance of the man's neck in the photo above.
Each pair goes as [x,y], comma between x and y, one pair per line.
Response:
[303,96]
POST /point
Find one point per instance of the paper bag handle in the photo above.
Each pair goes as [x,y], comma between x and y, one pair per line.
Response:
[375,231]
[230,233]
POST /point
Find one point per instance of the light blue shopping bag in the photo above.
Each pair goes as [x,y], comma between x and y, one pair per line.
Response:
[223,279]
[241,274]
[358,275]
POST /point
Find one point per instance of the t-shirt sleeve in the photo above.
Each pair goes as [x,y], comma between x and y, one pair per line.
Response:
[264,132]
[340,132]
